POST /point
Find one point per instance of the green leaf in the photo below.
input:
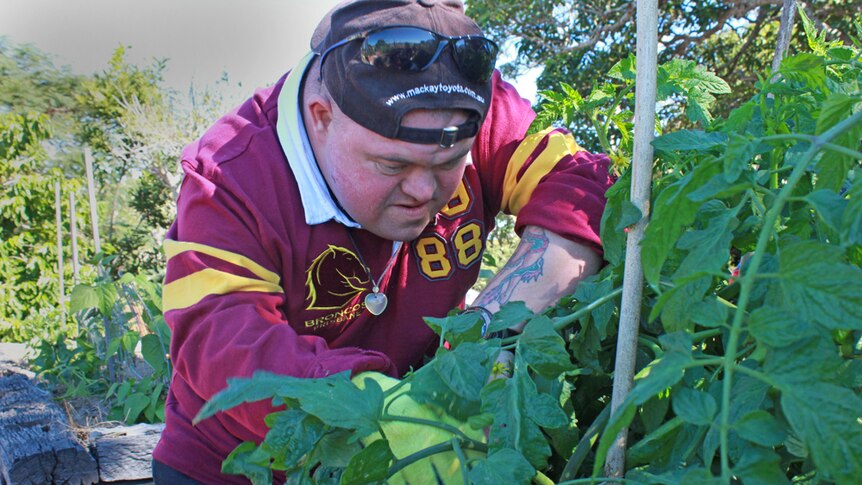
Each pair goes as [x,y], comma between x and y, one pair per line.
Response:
[630,216]
[590,290]
[829,207]
[836,108]
[246,460]
[293,433]
[827,419]
[613,236]
[461,370]
[655,445]
[113,346]
[336,448]
[709,248]
[459,328]
[777,327]
[502,466]
[674,305]
[761,428]
[153,352]
[737,157]
[624,70]
[83,297]
[709,313]
[832,167]
[807,361]
[661,373]
[748,394]
[134,405]
[509,315]
[108,296]
[818,286]
[507,400]
[335,400]
[689,140]
[371,465]
[130,341]
[694,407]
[542,409]
[428,387]
[543,348]
[805,68]
[653,412]
[673,211]
[759,466]
[851,220]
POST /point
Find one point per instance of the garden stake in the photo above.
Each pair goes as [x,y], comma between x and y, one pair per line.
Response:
[62,290]
[91,190]
[73,232]
[644,130]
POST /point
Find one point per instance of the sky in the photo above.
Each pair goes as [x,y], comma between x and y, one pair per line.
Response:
[253,41]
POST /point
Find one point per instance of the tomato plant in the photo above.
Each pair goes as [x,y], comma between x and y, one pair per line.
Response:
[750,363]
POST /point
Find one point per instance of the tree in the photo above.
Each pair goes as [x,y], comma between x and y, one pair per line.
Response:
[28,250]
[576,41]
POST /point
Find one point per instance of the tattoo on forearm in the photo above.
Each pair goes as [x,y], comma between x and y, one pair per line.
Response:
[525,265]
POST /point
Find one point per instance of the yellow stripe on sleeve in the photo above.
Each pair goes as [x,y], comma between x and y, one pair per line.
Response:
[516,193]
[173,248]
[191,289]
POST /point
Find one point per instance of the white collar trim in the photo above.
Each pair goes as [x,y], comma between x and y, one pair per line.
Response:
[316,198]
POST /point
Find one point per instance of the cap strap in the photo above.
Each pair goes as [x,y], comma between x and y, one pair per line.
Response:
[446,137]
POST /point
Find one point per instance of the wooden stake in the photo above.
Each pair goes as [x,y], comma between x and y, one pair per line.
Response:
[788,16]
[644,127]
[91,190]
[61,299]
[73,230]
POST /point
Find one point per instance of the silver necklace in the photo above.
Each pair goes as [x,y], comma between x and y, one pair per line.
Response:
[375,301]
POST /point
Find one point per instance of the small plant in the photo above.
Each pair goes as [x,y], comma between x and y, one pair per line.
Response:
[119,350]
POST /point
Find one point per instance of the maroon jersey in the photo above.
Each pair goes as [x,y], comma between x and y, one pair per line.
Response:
[252,286]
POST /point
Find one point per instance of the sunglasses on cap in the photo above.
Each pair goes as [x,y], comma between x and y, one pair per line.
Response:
[414,49]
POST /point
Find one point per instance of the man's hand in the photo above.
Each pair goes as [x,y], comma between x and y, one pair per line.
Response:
[408,438]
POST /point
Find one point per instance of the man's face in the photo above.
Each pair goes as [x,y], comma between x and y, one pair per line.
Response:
[393,188]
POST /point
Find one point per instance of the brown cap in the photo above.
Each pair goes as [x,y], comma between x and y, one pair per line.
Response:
[378,98]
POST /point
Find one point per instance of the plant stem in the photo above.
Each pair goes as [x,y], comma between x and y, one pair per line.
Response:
[705,334]
[757,375]
[747,280]
[462,460]
[430,451]
[811,139]
[564,322]
[434,424]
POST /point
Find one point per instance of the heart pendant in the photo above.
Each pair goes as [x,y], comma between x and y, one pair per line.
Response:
[376,303]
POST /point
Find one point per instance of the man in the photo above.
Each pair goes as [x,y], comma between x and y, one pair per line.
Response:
[319,222]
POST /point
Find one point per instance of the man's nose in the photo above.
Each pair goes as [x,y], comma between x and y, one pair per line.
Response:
[420,185]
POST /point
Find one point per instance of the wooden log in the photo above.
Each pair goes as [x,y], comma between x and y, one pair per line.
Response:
[125,453]
[36,443]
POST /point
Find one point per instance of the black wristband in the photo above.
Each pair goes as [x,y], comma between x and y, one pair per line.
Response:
[487,317]
[501,334]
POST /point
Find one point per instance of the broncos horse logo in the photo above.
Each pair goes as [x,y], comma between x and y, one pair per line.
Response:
[334,278]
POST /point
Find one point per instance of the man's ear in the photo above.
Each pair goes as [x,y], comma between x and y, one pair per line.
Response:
[318,119]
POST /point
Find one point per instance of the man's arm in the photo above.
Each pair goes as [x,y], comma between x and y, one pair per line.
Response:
[544,268]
